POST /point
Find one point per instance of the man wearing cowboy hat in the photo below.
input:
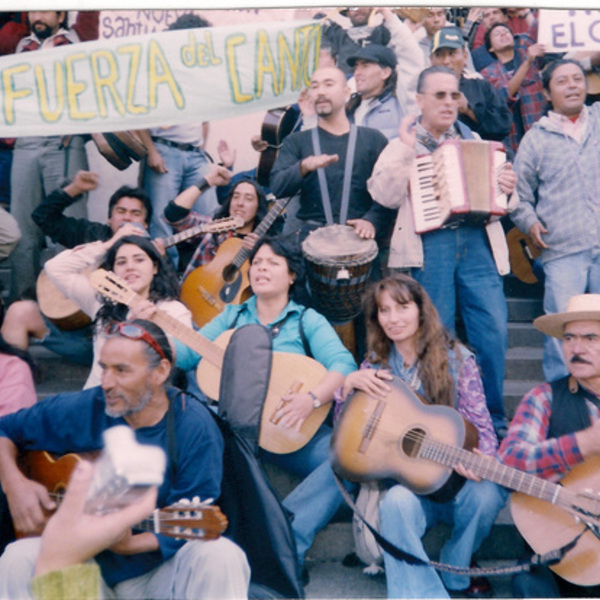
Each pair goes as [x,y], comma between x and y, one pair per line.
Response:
[557,425]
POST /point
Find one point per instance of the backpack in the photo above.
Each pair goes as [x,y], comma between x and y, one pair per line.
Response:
[367,549]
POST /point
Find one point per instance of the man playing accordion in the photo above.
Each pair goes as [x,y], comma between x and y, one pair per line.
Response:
[461,259]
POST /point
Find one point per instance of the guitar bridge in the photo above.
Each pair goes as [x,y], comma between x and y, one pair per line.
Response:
[371,426]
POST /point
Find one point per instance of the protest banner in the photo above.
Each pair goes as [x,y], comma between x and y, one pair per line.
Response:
[157,79]
[569,30]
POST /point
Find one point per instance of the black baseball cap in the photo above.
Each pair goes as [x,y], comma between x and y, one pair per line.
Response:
[376,53]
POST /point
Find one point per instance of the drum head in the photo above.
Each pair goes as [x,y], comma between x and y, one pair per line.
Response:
[336,243]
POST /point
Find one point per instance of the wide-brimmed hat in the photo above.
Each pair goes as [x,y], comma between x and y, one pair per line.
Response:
[584,307]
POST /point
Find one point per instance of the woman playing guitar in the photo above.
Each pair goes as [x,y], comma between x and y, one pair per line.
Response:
[405,338]
[135,259]
[276,270]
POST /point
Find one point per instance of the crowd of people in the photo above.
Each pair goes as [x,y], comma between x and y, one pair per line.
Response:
[393,89]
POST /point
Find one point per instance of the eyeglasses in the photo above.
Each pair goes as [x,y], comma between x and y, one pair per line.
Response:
[442,95]
[134,332]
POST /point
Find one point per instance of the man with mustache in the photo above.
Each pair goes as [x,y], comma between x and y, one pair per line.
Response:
[299,160]
[136,363]
[557,425]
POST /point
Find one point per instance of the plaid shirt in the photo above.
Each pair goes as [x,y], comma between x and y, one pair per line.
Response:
[208,245]
[526,446]
[532,101]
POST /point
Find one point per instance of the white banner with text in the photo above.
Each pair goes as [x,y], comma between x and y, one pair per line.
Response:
[158,79]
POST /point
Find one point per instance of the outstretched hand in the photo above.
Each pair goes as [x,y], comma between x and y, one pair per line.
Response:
[73,536]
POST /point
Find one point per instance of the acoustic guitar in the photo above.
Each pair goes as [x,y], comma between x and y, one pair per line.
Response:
[208,289]
[277,125]
[522,254]
[190,520]
[418,445]
[289,372]
[66,315]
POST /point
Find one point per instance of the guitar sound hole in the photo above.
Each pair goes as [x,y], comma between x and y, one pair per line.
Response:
[229,273]
[411,442]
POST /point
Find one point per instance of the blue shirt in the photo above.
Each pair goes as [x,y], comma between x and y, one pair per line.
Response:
[75,422]
[325,345]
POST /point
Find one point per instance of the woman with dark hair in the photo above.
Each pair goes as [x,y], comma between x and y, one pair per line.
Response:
[134,259]
[405,338]
[276,269]
[246,199]
[17,369]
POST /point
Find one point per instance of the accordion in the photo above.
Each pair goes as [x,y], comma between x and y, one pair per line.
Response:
[457,183]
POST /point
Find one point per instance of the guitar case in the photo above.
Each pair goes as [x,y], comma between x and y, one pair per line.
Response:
[258,523]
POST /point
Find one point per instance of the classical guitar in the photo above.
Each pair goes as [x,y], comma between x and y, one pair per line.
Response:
[208,289]
[64,313]
[522,254]
[277,125]
[190,520]
[401,438]
[289,372]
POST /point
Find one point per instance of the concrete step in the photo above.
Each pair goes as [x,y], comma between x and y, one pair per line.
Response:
[514,288]
[524,309]
[524,334]
[514,390]
[56,373]
[524,363]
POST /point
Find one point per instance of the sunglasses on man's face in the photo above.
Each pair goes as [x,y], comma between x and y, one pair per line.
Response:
[442,95]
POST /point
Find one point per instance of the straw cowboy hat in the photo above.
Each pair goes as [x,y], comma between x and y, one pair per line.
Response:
[584,307]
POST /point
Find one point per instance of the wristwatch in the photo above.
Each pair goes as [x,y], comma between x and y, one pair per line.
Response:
[316,402]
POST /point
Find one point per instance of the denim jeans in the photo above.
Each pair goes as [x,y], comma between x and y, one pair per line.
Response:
[459,267]
[406,517]
[39,166]
[316,499]
[185,168]
[565,277]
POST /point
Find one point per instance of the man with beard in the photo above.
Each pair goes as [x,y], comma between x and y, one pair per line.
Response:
[40,164]
[557,427]
[136,363]
[328,148]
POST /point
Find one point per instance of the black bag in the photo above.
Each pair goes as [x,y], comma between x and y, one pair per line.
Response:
[258,523]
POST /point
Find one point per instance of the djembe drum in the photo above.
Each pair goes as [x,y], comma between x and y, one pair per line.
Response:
[338,266]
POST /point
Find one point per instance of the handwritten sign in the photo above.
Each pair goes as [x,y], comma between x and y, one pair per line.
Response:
[156,79]
[125,23]
[567,30]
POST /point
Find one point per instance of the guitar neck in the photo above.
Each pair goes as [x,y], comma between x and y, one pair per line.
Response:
[224,224]
[494,471]
[176,238]
[207,349]
[263,227]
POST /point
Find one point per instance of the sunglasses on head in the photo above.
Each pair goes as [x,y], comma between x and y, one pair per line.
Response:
[132,331]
